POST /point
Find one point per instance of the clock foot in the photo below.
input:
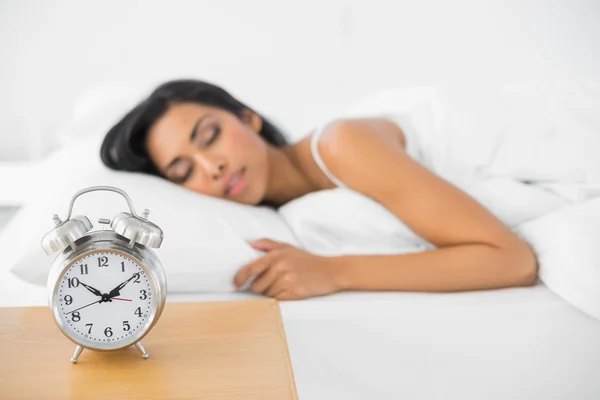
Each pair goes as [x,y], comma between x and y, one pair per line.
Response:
[77,353]
[142,350]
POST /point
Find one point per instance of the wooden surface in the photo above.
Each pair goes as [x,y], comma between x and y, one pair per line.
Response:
[225,350]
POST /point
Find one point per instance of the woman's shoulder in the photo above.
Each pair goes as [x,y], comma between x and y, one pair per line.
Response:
[339,142]
[345,134]
[345,141]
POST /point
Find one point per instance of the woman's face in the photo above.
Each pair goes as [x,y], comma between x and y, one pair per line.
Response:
[211,151]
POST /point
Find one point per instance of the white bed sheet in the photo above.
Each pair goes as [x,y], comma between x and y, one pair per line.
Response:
[506,344]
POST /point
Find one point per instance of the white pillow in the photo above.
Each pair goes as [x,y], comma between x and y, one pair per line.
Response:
[343,221]
[566,242]
[99,108]
[205,238]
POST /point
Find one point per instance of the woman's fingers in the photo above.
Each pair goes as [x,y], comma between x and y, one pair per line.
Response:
[278,287]
[255,268]
[264,281]
[267,244]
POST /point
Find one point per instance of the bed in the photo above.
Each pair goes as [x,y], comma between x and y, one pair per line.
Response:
[523,343]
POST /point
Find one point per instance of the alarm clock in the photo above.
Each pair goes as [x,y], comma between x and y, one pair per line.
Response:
[106,288]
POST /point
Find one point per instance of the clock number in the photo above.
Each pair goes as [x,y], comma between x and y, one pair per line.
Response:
[143,295]
[138,312]
[102,262]
[68,300]
[137,280]
[76,317]
[89,330]
[73,282]
[84,269]
[108,332]
[126,326]
[122,266]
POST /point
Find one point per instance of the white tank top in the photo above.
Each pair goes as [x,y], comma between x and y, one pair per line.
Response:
[314,143]
[412,147]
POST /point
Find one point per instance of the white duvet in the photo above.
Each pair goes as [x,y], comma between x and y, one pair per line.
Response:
[530,155]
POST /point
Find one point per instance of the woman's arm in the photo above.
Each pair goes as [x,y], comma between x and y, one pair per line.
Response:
[458,268]
[475,249]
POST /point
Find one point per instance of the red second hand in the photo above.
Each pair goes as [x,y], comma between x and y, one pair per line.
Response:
[117,298]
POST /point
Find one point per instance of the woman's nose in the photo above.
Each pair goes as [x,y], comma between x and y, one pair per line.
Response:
[218,173]
[214,166]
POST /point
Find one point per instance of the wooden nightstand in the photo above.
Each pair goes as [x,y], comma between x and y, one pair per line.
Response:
[223,350]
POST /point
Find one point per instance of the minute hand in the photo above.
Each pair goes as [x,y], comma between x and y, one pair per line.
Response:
[87,305]
[116,291]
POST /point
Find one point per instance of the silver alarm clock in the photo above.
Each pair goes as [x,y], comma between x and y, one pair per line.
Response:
[106,288]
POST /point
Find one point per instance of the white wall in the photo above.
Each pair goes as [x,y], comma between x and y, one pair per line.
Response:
[297,62]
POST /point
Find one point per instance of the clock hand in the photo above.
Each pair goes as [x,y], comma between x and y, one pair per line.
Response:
[92,289]
[87,305]
[116,291]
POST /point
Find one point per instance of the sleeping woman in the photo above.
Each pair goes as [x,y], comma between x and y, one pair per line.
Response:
[197,135]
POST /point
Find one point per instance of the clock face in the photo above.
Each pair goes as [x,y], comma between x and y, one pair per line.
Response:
[105,300]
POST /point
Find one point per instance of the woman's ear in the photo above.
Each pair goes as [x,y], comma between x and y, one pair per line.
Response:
[252,119]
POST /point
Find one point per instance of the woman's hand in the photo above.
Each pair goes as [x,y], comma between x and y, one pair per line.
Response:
[288,273]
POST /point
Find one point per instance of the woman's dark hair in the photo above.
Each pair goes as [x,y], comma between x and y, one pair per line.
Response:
[124,147]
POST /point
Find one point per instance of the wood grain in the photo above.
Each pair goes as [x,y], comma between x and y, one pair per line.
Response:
[224,350]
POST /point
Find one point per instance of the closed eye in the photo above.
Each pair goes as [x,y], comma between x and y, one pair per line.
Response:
[181,171]
[215,132]
[186,176]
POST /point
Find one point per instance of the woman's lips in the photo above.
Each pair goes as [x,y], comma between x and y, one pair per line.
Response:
[236,183]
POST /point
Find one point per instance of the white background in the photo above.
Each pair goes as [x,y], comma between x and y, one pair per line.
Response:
[296,62]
